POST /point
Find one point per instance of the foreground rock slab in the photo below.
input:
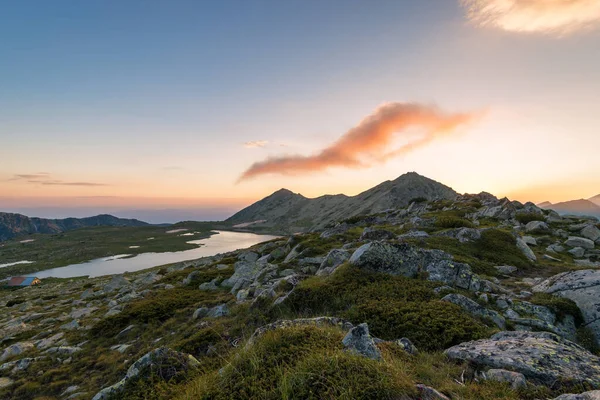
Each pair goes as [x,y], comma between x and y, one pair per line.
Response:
[543,357]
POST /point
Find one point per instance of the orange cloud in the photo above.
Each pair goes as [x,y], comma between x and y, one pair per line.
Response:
[544,16]
[369,141]
[256,143]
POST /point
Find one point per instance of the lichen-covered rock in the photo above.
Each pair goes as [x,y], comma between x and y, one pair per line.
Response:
[591,232]
[359,341]
[334,259]
[593,395]
[475,309]
[408,260]
[583,287]
[543,357]
[164,362]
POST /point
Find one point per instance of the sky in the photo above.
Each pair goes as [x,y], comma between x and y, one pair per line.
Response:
[207,106]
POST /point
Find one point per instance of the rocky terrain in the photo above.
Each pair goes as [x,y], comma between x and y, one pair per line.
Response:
[285,211]
[14,225]
[472,297]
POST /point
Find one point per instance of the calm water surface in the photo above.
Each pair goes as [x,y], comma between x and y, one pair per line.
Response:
[222,242]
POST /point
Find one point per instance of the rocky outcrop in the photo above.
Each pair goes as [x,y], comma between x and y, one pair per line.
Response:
[521,245]
[592,395]
[334,259]
[163,362]
[575,241]
[475,309]
[543,357]
[583,287]
[408,260]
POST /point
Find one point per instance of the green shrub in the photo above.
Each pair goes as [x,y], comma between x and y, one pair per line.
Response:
[447,222]
[341,375]
[392,306]
[525,218]
[158,307]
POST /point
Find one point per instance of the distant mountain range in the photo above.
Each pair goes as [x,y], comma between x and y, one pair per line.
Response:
[292,212]
[589,206]
[14,225]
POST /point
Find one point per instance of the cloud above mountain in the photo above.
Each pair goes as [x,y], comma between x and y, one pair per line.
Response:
[535,16]
[369,142]
[256,143]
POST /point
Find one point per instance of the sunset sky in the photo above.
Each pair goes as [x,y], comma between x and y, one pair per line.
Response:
[215,104]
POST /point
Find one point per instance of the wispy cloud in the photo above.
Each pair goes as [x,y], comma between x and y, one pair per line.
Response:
[256,143]
[369,141]
[44,178]
[544,16]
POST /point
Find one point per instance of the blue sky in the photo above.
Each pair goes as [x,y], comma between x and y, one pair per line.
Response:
[154,99]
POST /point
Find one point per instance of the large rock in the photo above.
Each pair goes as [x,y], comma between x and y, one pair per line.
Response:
[591,232]
[593,395]
[162,361]
[583,287]
[246,273]
[537,227]
[575,241]
[543,357]
[525,249]
[16,349]
[359,341]
[408,260]
[334,259]
[475,309]
[377,234]
[117,282]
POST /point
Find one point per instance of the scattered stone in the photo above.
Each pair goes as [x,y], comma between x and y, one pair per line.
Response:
[543,357]
[591,232]
[525,249]
[200,313]
[63,350]
[334,259]
[48,342]
[70,326]
[376,234]
[69,390]
[120,347]
[218,311]
[555,248]
[164,361]
[5,382]
[429,393]
[516,379]
[117,282]
[209,286]
[593,395]
[125,331]
[406,345]
[506,269]
[16,349]
[358,340]
[537,227]
[574,241]
[192,276]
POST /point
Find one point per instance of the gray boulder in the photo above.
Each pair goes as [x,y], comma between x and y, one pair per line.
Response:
[463,235]
[164,361]
[209,286]
[525,249]
[16,349]
[359,341]
[593,395]
[577,252]
[117,282]
[377,234]
[506,269]
[429,393]
[542,357]
[516,379]
[537,227]
[334,259]
[191,277]
[475,309]
[218,311]
[583,287]
[575,241]
[200,313]
[591,232]
[555,248]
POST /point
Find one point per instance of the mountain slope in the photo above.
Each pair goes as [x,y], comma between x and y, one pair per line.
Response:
[288,211]
[13,225]
[595,200]
[578,207]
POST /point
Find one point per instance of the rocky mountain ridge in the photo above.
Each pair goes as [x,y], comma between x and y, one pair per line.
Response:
[470,298]
[286,211]
[578,207]
[14,225]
